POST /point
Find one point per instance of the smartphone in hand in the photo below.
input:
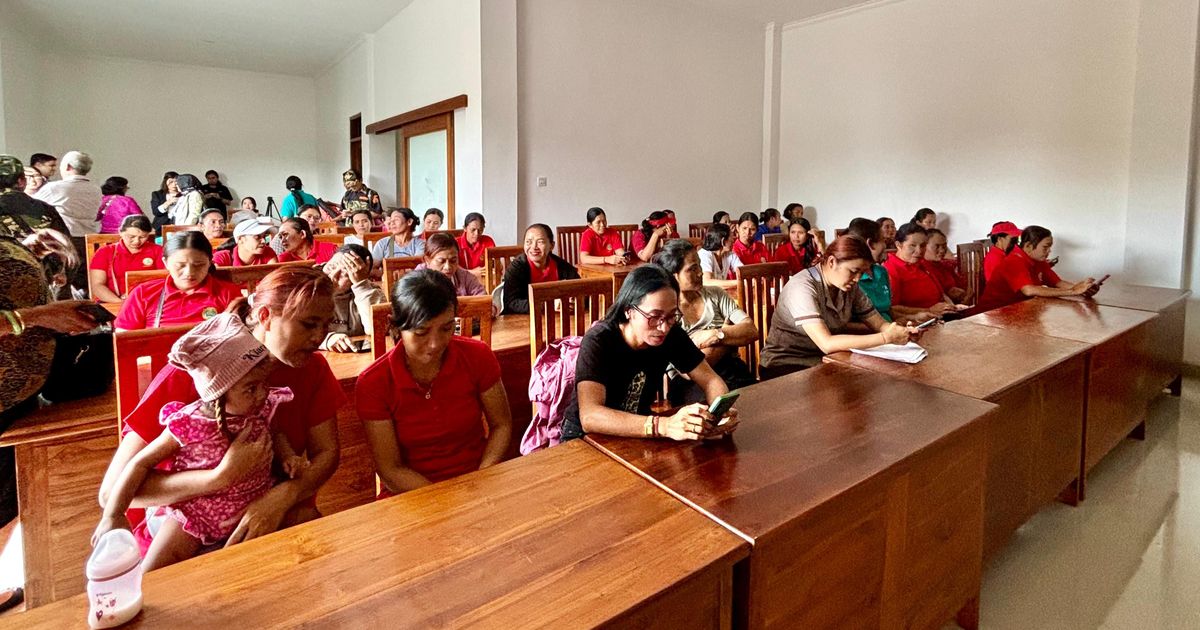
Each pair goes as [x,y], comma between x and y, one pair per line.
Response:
[722,405]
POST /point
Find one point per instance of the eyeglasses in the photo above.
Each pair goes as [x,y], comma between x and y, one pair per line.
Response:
[658,320]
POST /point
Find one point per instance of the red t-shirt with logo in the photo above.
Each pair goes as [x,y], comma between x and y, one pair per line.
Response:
[140,309]
[116,260]
[471,256]
[606,244]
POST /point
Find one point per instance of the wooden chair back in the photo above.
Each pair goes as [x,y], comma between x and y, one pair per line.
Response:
[371,238]
[773,241]
[626,230]
[970,266]
[495,262]
[395,268]
[697,230]
[217,242]
[476,309]
[332,227]
[168,230]
[568,242]
[93,243]
[695,241]
[758,288]
[129,348]
[582,303]
[338,239]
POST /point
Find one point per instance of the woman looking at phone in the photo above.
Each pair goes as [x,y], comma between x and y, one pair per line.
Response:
[624,356]
[1026,273]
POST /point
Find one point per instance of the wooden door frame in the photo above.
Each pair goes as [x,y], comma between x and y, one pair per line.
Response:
[432,124]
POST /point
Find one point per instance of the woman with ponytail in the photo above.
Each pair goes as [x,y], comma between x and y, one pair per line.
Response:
[289,313]
[295,198]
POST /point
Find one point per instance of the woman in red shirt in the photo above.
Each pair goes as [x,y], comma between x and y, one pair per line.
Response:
[916,295]
[189,294]
[250,245]
[291,313]
[421,403]
[748,250]
[298,244]
[600,245]
[800,252]
[473,243]
[135,251]
[943,270]
[1025,273]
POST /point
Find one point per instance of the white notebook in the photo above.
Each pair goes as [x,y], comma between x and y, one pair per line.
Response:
[908,353]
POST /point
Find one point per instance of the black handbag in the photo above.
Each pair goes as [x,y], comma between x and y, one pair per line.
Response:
[82,367]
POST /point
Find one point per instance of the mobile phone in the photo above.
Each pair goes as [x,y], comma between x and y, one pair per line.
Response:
[1106,277]
[927,324]
[97,312]
[362,345]
[722,405]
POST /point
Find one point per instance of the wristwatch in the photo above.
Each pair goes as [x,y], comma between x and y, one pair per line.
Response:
[721,336]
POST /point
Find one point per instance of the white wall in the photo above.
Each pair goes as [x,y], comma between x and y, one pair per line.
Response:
[21,130]
[138,119]
[637,106]
[341,92]
[984,111]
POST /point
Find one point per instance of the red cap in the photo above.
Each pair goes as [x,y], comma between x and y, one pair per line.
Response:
[1005,227]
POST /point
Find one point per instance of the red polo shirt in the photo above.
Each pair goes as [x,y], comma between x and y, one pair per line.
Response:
[992,260]
[751,254]
[911,284]
[549,274]
[797,260]
[229,258]
[946,274]
[439,429]
[319,253]
[1016,272]
[606,244]
[471,256]
[141,306]
[116,259]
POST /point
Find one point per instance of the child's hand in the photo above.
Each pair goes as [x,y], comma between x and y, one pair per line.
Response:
[106,525]
[294,465]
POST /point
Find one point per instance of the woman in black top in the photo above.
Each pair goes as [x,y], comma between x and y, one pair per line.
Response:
[621,364]
[162,201]
[537,264]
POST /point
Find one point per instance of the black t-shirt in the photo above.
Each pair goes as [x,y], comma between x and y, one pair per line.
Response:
[631,378]
[216,189]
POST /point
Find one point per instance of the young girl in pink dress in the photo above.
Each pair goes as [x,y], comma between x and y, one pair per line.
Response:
[230,369]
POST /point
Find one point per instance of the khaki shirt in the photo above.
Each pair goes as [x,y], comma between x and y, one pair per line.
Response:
[804,299]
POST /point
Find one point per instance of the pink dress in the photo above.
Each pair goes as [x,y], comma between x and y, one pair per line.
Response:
[113,210]
[202,446]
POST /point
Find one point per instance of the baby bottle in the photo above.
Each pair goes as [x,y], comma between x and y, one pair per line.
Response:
[114,573]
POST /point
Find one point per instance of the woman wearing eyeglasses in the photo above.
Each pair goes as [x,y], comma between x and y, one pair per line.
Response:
[623,358]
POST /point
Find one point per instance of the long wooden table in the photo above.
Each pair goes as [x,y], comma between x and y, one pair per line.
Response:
[1035,442]
[63,450]
[562,538]
[1120,379]
[1166,333]
[862,495]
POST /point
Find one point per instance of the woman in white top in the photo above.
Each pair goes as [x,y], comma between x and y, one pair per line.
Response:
[717,260]
[401,242]
[362,224]
[711,318]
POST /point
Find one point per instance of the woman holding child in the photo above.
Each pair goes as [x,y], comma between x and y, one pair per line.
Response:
[289,314]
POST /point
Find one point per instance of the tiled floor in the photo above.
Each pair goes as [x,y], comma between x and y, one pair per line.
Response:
[1129,556]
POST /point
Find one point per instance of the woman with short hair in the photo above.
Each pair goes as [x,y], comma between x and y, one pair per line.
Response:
[298,241]
[136,251]
[400,241]
[537,264]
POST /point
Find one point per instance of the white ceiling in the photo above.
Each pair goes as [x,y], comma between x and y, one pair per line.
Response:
[299,37]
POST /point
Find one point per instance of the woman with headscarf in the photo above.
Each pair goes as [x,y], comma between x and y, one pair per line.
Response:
[191,201]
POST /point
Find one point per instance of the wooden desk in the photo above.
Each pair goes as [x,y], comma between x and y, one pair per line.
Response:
[63,450]
[1120,381]
[616,272]
[1166,333]
[863,499]
[1035,442]
[562,538]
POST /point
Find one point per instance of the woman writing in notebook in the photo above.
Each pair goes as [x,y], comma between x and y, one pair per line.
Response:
[816,307]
